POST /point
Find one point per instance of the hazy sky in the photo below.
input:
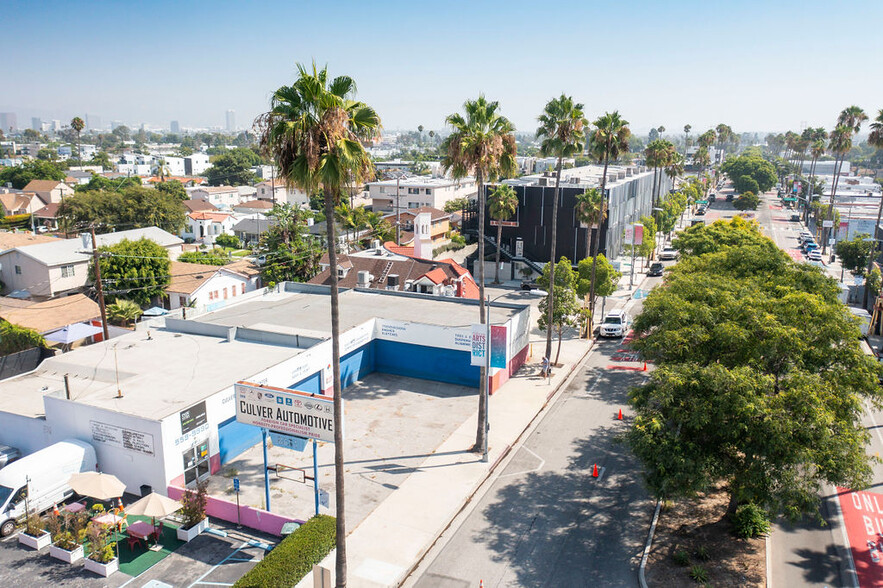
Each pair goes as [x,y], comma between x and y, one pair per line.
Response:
[756,65]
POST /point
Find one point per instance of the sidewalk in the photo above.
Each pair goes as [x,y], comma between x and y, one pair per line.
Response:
[384,548]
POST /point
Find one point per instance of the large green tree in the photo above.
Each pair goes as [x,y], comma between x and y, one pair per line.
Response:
[746,201]
[314,132]
[233,167]
[173,188]
[566,311]
[855,253]
[20,175]
[761,378]
[131,207]
[135,270]
[481,143]
[502,205]
[754,167]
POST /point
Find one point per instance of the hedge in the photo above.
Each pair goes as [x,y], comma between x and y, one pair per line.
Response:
[294,557]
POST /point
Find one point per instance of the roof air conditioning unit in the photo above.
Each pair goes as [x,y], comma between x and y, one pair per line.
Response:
[392,282]
[364,280]
[375,244]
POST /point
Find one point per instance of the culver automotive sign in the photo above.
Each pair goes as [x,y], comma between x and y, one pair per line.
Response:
[285,411]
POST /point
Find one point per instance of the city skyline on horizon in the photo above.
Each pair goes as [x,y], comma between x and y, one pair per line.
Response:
[690,63]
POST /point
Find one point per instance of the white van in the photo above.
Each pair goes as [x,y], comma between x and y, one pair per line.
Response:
[44,476]
[615,324]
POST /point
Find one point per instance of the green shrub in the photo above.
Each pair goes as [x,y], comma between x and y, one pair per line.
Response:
[750,521]
[14,338]
[213,257]
[681,558]
[225,240]
[699,574]
[294,557]
[702,553]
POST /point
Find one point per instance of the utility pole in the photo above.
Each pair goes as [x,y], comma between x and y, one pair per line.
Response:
[98,284]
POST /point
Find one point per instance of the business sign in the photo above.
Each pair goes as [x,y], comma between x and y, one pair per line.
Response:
[192,418]
[827,224]
[459,338]
[479,345]
[122,437]
[863,519]
[285,411]
[519,247]
[499,345]
[288,441]
[505,223]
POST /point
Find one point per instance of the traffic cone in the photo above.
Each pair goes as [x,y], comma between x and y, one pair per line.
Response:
[645,367]
[481,584]
[619,416]
[55,510]
[595,471]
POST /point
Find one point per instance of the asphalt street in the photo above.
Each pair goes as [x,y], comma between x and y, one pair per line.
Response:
[545,520]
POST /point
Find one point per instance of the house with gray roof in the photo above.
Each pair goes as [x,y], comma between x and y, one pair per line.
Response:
[61,266]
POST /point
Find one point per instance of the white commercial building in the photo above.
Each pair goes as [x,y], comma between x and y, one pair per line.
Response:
[419,191]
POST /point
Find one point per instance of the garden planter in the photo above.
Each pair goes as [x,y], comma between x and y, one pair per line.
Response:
[191,533]
[37,543]
[103,569]
[65,555]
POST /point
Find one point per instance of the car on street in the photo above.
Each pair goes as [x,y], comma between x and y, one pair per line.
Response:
[810,246]
[814,255]
[795,218]
[8,455]
[615,324]
[700,211]
[655,269]
[730,197]
[529,285]
[668,254]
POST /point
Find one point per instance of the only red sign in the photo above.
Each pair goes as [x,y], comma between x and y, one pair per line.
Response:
[863,517]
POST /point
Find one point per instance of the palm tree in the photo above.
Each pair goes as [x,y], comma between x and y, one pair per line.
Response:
[123,312]
[687,129]
[849,122]
[561,134]
[610,140]
[588,212]
[314,131]
[482,143]
[502,204]
[162,169]
[78,125]
[674,166]
[875,139]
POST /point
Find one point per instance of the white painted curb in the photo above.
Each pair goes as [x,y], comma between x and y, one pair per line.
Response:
[646,553]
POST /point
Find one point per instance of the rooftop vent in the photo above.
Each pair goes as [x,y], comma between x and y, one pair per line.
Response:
[364,279]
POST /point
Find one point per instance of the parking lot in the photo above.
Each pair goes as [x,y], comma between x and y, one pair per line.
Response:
[208,560]
[392,424]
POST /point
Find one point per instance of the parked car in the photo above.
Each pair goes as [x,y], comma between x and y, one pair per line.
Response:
[795,218]
[615,324]
[810,246]
[814,255]
[655,269]
[8,455]
[529,285]
[700,211]
[44,477]
[668,254]
[730,197]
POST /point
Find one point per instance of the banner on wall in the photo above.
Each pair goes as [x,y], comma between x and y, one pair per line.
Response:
[284,411]
[499,345]
[479,345]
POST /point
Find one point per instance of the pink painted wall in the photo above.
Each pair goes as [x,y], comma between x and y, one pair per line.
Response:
[502,376]
[251,517]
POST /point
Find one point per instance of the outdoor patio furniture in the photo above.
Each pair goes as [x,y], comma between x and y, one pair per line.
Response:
[132,540]
[109,519]
[157,532]
[74,507]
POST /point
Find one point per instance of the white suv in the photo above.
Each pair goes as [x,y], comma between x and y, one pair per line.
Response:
[615,324]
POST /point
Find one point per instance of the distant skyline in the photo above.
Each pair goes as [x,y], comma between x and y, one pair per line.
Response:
[755,65]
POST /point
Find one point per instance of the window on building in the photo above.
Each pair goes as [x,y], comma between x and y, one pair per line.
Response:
[182,301]
[216,295]
[211,295]
[67,271]
[243,288]
[225,293]
[429,192]
[413,190]
[233,289]
[413,205]
[18,270]
[383,189]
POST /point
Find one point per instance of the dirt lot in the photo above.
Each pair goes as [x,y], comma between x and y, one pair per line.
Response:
[689,525]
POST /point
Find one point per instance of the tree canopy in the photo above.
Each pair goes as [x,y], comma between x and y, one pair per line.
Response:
[746,201]
[233,168]
[37,169]
[760,380]
[753,167]
[131,207]
[855,253]
[135,270]
[174,188]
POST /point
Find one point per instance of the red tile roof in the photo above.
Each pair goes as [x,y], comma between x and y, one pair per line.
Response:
[398,250]
[195,205]
[216,217]
[436,276]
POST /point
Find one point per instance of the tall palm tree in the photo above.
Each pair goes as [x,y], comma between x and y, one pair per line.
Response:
[875,139]
[314,131]
[502,204]
[674,167]
[78,125]
[588,212]
[849,122]
[817,149]
[610,140]
[482,143]
[562,134]
[687,129]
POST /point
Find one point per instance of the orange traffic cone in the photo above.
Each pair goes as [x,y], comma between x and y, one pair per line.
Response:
[619,416]
[645,367]
[595,471]
[55,510]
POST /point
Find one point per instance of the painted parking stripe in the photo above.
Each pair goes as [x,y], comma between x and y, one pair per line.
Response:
[216,566]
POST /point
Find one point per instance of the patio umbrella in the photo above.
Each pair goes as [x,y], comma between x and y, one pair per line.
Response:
[97,485]
[73,332]
[155,311]
[154,505]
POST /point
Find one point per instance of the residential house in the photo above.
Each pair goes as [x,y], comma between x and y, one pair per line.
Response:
[223,197]
[390,267]
[78,178]
[50,315]
[247,193]
[196,163]
[419,191]
[186,181]
[13,239]
[204,226]
[15,202]
[249,230]
[275,191]
[61,266]
[440,225]
[253,207]
[207,287]
[47,216]
[49,190]
[199,206]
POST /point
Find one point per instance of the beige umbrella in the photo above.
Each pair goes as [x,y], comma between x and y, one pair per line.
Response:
[97,485]
[154,505]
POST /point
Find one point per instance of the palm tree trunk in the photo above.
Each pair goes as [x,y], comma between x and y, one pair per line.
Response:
[591,320]
[653,189]
[497,262]
[838,165]
[558,353]
[481,432]
[339,496]
[551,301]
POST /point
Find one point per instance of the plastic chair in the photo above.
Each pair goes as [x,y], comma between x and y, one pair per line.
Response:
[157,532]
[134,540]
